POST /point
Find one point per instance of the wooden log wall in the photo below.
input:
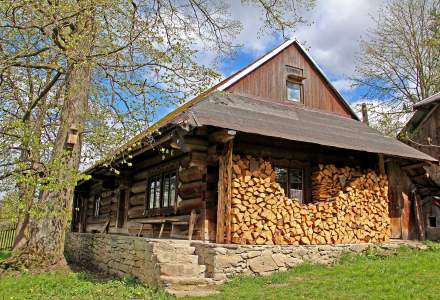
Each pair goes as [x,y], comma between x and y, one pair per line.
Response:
[356,211]
[107,212]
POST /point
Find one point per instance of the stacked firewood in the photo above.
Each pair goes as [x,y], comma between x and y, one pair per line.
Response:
[262,214]
[329,180]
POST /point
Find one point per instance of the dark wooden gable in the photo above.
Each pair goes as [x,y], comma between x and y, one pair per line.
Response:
[270,79]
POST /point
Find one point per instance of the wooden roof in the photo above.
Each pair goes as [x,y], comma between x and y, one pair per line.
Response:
[296,123]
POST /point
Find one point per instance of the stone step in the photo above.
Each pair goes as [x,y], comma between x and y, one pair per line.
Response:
[180,249]
[192,291]
[183,280]
[172,269]
[168,257]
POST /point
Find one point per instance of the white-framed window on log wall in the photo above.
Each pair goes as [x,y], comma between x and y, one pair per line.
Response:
[292,181]
[162,190]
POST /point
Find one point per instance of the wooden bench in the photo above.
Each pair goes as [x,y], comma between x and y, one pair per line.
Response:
[188,220]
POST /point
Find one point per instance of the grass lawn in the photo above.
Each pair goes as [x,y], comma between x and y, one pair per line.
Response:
[408,275]
[4,254]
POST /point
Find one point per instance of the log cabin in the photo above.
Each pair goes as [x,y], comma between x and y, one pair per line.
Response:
[273,154]
[422,132]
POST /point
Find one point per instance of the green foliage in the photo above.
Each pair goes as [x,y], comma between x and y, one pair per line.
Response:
[406,274]
[61,285]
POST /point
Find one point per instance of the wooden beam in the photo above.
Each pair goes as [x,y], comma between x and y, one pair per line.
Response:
[381,164]
[222,136]
[220,234]
[228,163]
[419,216]
[414,166]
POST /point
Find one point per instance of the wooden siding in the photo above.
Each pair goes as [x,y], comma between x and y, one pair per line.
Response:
[429,128]
[269,81]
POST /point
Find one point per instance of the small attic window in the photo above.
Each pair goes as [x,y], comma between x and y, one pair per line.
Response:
[294,91]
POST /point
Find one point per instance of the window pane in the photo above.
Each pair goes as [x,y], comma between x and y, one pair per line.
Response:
[172,189]
[166,191]
[296,184]
[151,193]
[97,206]
[157,193]
[293,91]
[281,178]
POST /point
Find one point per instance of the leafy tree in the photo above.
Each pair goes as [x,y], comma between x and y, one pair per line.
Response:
[78,73]
[397,66]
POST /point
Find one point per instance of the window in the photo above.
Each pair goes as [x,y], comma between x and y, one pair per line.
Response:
[294,91]
[432,222]
[162,190]
[292,181]
[97,206]
[121,208]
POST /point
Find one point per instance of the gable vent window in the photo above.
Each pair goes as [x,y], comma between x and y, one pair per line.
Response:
[294,72]
[294,91]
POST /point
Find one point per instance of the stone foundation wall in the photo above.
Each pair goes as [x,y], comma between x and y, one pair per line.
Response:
[225,261]
[114,254]
[150,259]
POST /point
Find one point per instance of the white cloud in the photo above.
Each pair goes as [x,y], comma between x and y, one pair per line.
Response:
[343,85]
[332,37]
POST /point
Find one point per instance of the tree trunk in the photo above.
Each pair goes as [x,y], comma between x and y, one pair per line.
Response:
[45,245]
[26,191]
[48,233]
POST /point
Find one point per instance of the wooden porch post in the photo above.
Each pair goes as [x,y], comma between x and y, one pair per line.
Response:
[224,217]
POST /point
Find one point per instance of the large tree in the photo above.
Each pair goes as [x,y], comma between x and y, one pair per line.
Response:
[398,64]
[89,59]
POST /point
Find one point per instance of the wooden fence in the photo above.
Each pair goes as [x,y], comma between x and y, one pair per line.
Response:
[7,234]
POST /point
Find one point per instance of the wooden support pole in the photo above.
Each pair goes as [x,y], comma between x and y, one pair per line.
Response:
[224,207]
[365,114]
[419,216]
[228,199]
[220,234]
[381,164]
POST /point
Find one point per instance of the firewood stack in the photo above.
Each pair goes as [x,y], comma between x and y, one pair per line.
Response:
[262,214]
[329,180]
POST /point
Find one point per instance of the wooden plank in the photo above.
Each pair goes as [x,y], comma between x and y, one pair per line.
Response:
[191,190]
[222,136]
[228,163]
[190,175]
[190,203]
[419,216]
[192,222]
[220,234]
[269,83]
[139,187]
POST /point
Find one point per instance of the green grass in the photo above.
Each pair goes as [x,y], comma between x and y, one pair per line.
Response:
[408,275]
[4,254]
[64,285]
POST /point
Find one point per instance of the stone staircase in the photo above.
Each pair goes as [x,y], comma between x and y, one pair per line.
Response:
[180,271]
